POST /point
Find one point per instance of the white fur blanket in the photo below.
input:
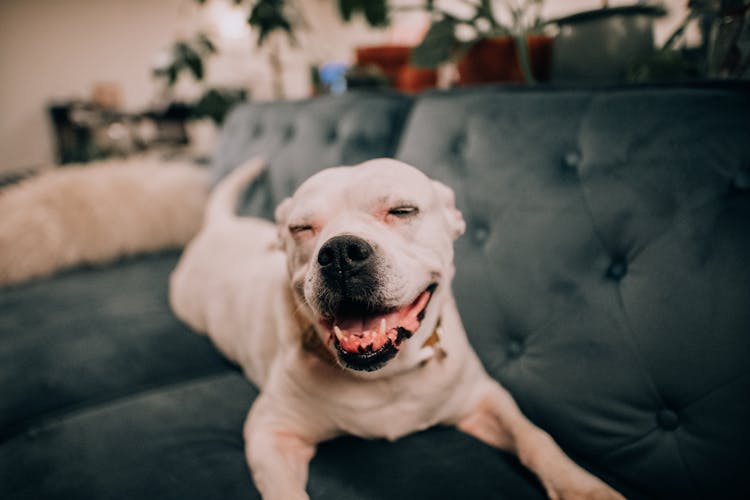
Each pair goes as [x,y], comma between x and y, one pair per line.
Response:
[95,213]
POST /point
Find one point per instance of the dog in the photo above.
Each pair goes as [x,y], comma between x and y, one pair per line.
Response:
[342,314]
[97,213]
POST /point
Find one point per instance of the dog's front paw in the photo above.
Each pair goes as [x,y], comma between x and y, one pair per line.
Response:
[605,493]
[286,495]
[581,486]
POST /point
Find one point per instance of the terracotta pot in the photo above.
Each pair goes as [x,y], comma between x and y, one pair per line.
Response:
[412,79]
[389,58]
[393,61]
[496,60]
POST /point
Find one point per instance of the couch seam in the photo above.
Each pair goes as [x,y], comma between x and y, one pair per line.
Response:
[400,138]
[688,471]
[597,234]
[637,252]
[635,346]
[712,390]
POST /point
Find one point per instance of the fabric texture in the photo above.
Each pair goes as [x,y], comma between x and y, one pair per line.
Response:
[299,138]
[604,279]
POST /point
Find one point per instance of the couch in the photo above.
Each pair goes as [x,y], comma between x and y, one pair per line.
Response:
[604,279]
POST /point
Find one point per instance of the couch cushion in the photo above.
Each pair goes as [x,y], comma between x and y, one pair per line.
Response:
[301,138]
[91,335]
[604,276]
[185,441]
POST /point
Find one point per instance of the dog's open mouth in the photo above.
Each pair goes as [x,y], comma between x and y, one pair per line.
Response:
[368,340]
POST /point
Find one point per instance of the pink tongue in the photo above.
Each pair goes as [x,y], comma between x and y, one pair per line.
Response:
[356,326]
[359,333]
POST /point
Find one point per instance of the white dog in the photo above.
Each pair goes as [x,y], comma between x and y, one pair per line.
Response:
[343,315]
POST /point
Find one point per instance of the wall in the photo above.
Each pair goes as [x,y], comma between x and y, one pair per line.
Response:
[58,49]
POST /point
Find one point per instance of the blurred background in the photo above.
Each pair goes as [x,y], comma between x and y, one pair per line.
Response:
[89,79]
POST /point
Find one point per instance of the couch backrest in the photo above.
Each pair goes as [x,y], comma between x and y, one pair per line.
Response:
[299,138]
[605,274]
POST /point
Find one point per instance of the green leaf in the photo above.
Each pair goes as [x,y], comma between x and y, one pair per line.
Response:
[205,43]
[171,75]
[195,65]
[437,46]
[376,12]
[267,16]
[187,57]
[346,8]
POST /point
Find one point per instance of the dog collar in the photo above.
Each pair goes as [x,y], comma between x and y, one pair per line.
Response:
[431,347]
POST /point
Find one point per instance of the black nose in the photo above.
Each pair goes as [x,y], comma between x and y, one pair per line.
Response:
[343,256]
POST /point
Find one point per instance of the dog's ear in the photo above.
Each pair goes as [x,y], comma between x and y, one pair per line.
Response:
[452,215]
[281,215]
[282,211]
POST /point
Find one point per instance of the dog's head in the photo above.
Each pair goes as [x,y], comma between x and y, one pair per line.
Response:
[370,254]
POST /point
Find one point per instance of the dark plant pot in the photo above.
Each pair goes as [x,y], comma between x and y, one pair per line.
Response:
[602,45]
[496,60]
[412,79]
[388,58]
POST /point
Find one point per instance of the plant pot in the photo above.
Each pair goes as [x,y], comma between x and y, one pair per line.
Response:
[412,79]
[393,61]
[602,45]
[496,60]
[388,58]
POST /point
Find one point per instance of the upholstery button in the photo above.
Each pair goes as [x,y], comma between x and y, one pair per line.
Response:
[332,135]
[572,160]
[257,130]
[617,269]
[515,348]
[481,233]
[289,133]
[458,145]
[667,419]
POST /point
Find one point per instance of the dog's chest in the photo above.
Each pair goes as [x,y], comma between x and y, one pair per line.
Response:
[382,409]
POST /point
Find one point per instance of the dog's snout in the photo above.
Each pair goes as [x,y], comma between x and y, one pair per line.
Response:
[347,266]
[344,254]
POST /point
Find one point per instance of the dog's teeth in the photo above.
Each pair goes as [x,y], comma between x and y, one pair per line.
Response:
[338,333]
[382,326]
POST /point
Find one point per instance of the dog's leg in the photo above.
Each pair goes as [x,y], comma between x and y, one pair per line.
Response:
[278,455]
[498,421]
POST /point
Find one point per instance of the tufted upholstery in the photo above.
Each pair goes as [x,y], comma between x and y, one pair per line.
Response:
[604,260]
[605,276]
[300,138]
[604,279]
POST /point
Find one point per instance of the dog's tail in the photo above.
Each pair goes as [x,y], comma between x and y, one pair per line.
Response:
[223,200]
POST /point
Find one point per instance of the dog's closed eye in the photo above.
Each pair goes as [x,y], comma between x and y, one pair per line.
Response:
[298,229]
[404,211]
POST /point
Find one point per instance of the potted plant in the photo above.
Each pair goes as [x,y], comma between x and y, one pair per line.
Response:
[491,49]
[727,53]
[185,56]
[394,66]
[391,63]
[723,52]
[197,121]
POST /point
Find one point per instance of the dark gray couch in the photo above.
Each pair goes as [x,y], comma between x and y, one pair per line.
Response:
[604,278]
